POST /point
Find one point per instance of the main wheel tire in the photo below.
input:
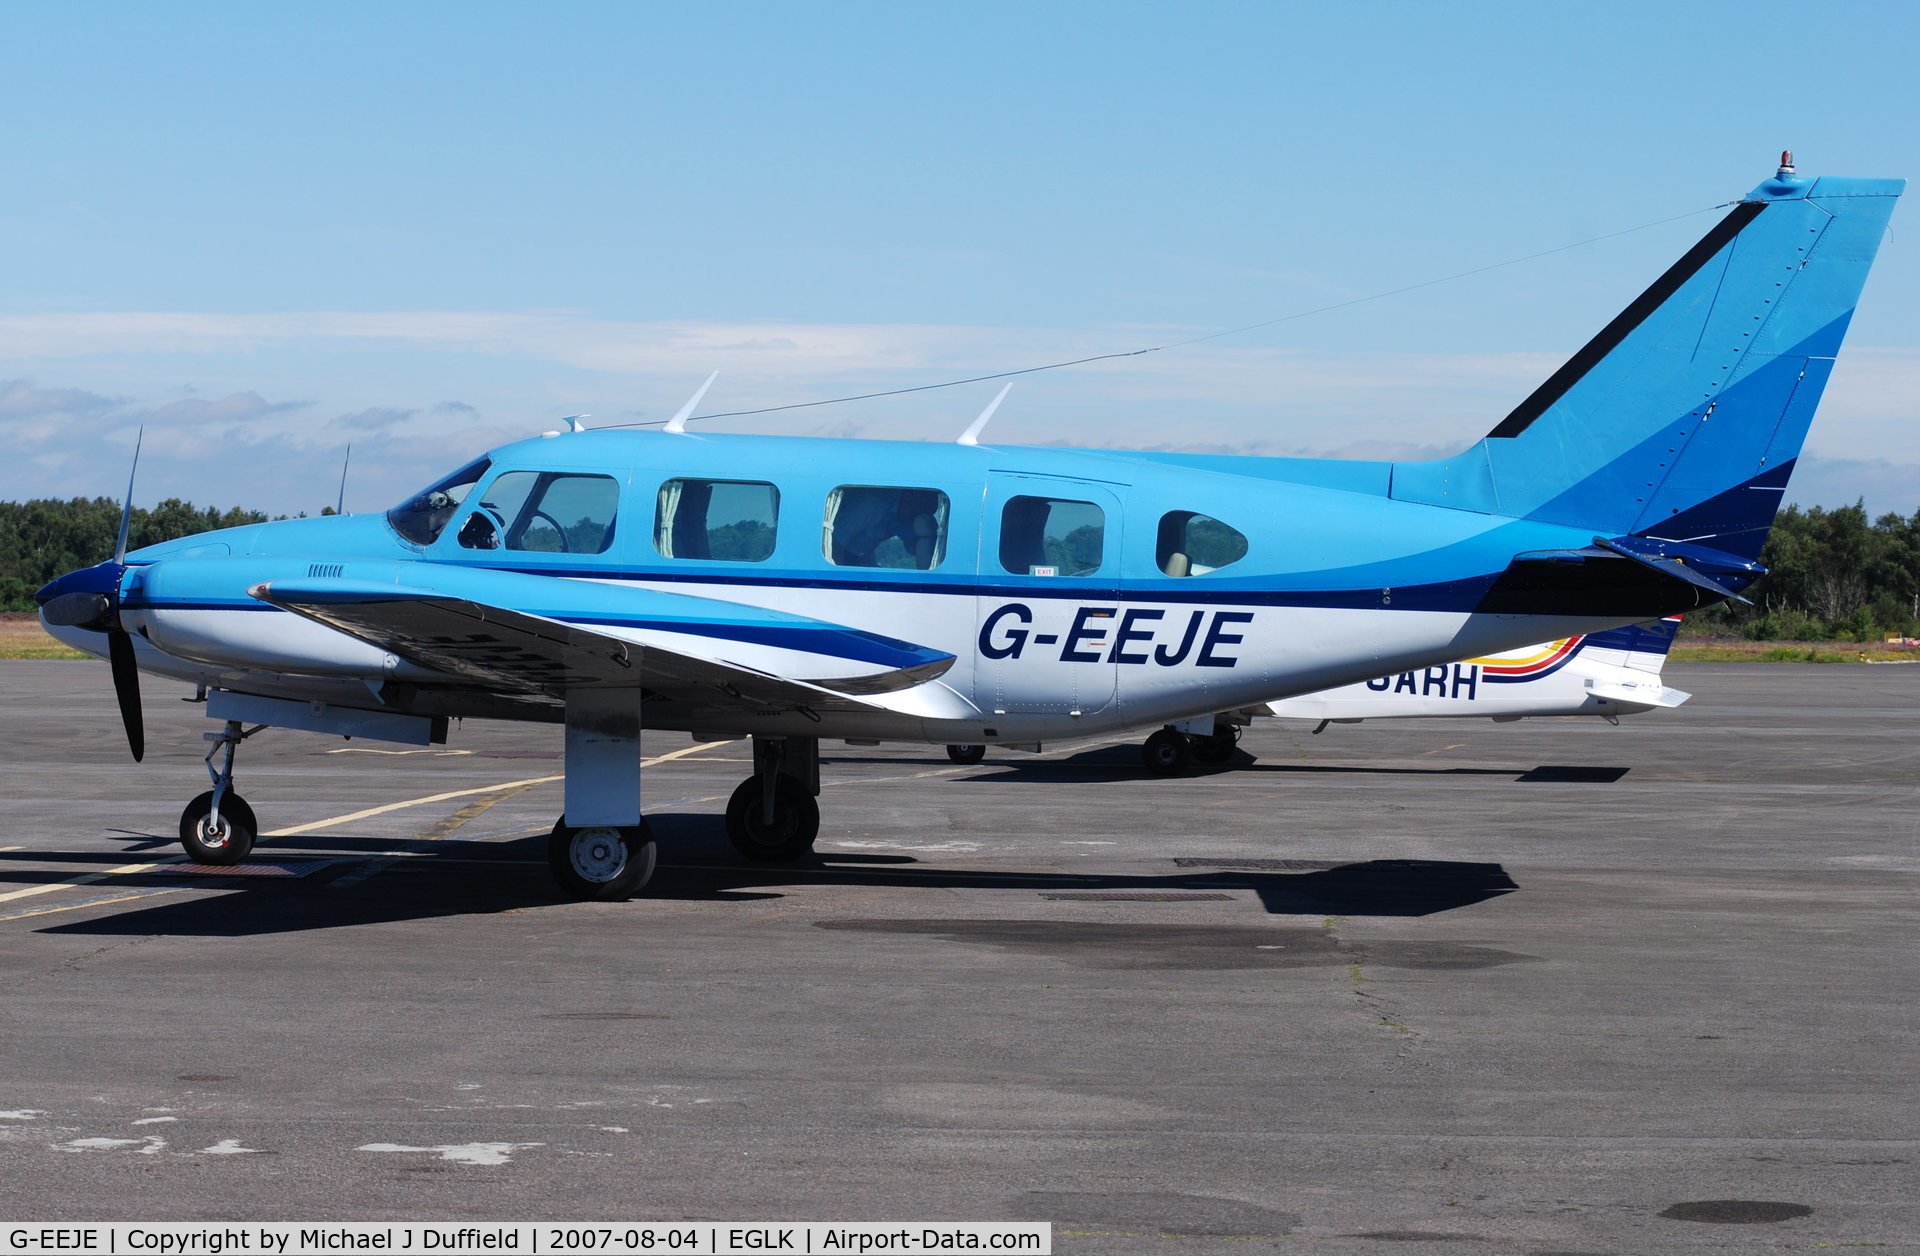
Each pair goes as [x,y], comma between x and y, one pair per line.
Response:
[1216,747]
[601,863]
[1167,753]
[968,755]
[230,842]
[796,822]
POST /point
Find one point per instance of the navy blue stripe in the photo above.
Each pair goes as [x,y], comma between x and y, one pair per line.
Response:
[1451,595]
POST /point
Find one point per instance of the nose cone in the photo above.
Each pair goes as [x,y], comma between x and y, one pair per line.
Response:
[101,578]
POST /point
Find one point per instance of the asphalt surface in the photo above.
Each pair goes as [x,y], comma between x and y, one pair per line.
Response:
[1448,986]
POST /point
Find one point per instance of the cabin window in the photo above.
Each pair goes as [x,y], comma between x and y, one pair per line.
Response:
[1193,544]
[546,512]
[869,525]
[424,516]
[728,521]
[1046,536]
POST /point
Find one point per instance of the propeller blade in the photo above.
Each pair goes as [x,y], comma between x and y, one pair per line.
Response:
[126,687]
[126,507]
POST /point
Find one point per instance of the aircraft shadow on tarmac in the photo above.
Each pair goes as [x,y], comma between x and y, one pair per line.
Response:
[470,878]
[1103,764]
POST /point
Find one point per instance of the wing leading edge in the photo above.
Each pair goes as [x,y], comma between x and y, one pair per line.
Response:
[670,644]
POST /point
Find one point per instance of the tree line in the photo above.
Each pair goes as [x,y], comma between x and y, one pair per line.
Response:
[45,538]
[1831,574]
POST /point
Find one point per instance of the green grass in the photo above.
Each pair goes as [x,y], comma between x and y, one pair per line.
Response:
[1709,651]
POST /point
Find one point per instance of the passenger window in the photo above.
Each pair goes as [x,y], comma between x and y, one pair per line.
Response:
[545,512]
[1045,536]
[729,521]
[874,526]
[1192,544]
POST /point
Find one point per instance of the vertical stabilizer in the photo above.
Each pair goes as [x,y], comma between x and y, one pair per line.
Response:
[1682,419]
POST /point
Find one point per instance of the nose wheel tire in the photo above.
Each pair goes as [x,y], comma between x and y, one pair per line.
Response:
[227,842]
[796,822]
[1167,753]
[603,863]
[966,754]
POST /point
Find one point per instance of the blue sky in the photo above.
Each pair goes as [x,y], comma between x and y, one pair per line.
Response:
[268,231]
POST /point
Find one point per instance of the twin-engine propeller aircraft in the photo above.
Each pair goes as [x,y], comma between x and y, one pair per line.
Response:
[790,589]
[1608,674]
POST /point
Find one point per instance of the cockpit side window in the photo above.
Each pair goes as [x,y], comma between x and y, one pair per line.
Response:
[548,512]
[1192,544]
[424,516]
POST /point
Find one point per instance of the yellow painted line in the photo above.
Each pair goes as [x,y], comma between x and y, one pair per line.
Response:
[89,878]
[12,848]
[54,909]
[352,816]
[531,781]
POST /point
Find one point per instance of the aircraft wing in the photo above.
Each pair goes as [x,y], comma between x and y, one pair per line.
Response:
[701,651]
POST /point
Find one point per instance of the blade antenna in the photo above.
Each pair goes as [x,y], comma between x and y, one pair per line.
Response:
[678,423]
[126,507]
[972,435]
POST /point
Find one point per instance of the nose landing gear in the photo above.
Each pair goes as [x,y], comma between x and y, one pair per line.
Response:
[218,827]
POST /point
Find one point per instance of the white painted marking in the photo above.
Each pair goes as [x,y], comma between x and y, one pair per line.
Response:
[155,1120]
[1089,843]
[229,1147]
[614,1129]
[22,1114]
[461,1153]
[147,1146]
[98,1144]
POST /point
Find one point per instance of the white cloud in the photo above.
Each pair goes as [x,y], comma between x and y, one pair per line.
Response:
[280,396]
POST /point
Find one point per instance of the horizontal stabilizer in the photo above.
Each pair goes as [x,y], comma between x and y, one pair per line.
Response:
[1634,577]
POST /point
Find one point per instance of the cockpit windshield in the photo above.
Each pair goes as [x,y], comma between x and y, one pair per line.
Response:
[422,517]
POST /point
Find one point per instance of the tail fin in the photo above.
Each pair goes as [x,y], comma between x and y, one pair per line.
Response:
[1682,419]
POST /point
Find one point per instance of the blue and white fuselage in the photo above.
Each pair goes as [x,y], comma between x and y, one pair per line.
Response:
[789,589]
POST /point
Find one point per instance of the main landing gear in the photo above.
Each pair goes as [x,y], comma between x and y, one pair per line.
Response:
[605,863]
[772,817]
[1175,748]
[218,827]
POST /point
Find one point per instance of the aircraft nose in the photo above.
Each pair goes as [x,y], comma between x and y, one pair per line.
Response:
[100,580]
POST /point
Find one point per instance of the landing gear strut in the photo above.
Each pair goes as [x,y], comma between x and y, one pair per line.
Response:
[218,827]
[772,817]
[1217,746]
